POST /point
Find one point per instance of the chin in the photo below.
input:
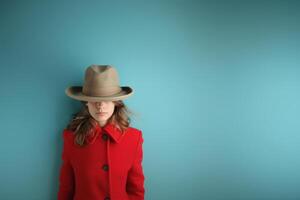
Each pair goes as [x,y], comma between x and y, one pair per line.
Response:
[102,118]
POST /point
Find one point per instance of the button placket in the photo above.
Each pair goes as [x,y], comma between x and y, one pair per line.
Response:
[105,167]
[105,136]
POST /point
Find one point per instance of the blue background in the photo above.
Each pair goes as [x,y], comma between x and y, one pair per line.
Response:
[217,92]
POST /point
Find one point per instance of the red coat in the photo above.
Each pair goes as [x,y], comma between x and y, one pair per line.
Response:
[109,168]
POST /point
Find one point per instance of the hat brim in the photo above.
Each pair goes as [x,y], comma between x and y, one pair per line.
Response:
[75,92]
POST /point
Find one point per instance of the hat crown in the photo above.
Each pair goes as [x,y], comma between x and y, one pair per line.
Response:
[101,80]
[101,76]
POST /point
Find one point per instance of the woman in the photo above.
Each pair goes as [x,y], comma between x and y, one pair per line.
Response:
[102,155]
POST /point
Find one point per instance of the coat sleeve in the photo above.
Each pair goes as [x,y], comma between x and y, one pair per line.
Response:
[66,176]
[135,180]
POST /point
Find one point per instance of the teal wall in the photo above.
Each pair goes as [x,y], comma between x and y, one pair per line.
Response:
[217,92]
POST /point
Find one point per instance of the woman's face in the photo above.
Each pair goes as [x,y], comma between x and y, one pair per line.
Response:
[101,111]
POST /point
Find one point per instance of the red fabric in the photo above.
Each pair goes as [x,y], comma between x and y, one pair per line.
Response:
[82,175]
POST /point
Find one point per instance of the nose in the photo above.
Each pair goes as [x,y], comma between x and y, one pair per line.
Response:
[99,104]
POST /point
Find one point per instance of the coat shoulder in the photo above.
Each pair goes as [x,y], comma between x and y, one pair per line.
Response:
[68,134]
[134,132]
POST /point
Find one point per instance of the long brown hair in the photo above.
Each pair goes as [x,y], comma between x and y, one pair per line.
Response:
[82,123]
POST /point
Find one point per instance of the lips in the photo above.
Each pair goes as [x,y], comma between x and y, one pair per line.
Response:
[101,113]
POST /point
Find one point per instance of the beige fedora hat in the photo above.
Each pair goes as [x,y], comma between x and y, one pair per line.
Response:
[101,83]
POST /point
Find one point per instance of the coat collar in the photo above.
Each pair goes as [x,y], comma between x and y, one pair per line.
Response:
[112,130]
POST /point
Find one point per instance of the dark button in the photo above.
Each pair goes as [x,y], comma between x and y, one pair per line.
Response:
[105,167]
[104,136]
[106,198]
